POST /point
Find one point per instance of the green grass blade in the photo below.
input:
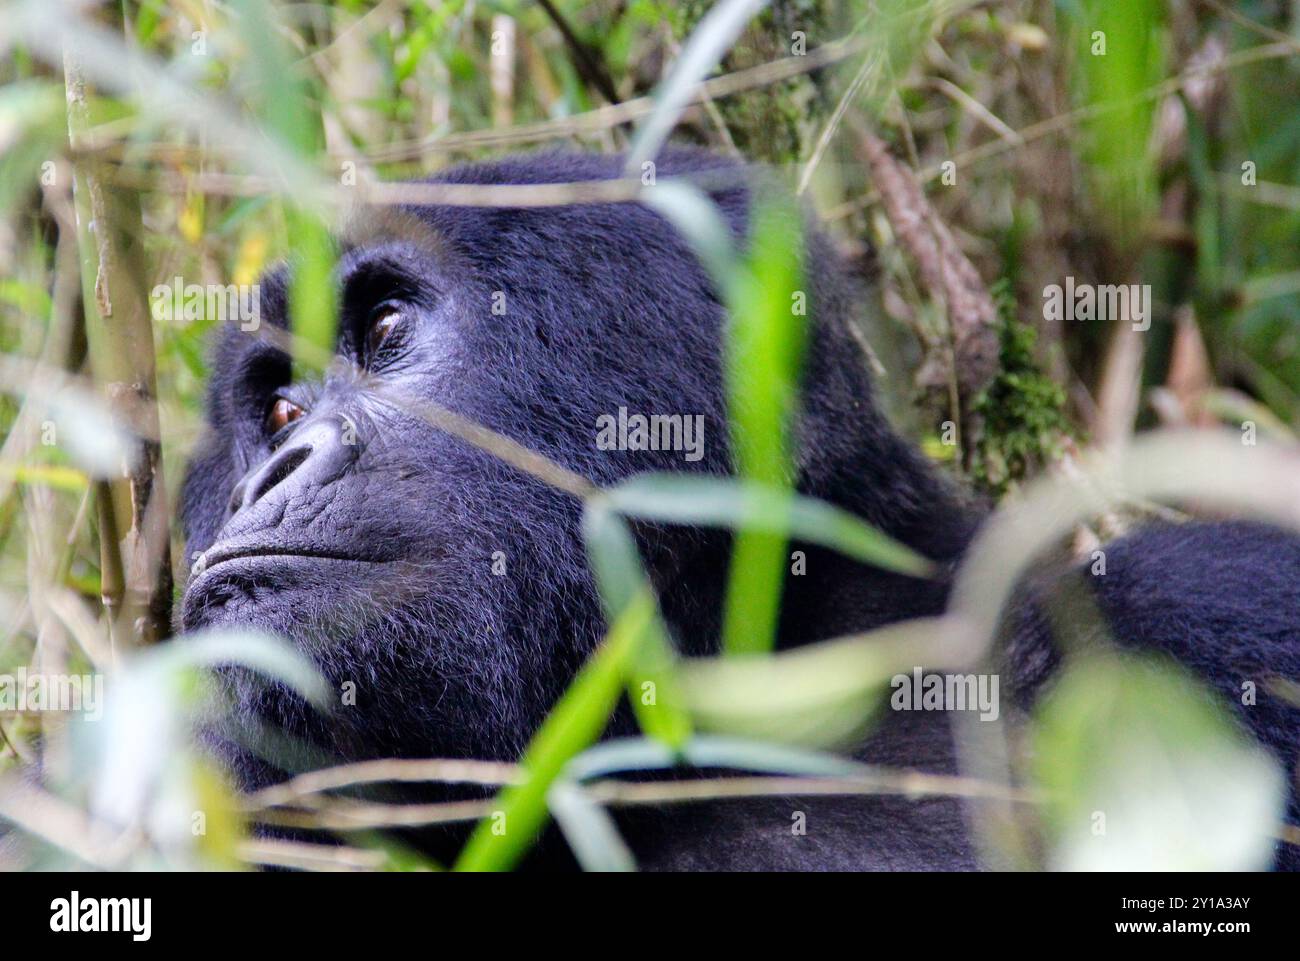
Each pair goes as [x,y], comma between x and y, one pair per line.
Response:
[590,831]
[576,721]
[285,100]
[764,360]
[652,686]
[724,502]
[765,350]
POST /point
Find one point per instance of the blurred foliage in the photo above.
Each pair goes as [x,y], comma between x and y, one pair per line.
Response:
[1125,792]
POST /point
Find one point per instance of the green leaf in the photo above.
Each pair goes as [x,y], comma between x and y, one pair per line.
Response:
[54,476]
[820,695]
[590,831]
[312,295]
[1114,84]
[1144,770]
[764,359]
[765,346]
[85,427]
[698,220]
[286,101]
[741,505]
[577,719]
[152,699]
[264,653]
[652,685]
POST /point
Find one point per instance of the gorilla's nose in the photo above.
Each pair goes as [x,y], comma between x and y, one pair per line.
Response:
[317,454]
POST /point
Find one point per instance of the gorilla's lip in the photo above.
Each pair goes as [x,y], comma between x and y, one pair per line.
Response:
[248,571]
[215,556]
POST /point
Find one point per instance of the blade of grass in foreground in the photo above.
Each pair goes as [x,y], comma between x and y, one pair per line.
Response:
[651,677]
[725,502]
[285,102]
[764,360]
[637,651]
[710,40]
[500,840]
[311,292]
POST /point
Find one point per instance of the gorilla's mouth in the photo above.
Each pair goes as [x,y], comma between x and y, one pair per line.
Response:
[283,584]
[218,555]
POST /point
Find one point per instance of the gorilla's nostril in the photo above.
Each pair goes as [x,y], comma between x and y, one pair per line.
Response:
[278,470]
[314,457]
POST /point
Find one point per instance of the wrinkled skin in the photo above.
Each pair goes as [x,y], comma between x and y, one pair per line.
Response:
[451,591]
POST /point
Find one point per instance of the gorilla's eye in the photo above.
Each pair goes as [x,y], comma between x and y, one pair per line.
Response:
[383,320]
[281,415]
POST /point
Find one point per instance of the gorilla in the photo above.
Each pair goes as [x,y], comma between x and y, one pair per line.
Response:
[452,589]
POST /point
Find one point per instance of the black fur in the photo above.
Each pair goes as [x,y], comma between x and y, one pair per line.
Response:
[606,308]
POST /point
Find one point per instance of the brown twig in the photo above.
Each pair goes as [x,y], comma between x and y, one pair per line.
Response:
[310,857]
[390,770]
[588,62]
[948,275]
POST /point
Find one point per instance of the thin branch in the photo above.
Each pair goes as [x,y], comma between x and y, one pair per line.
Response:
[589,63]
[909,784]
[106,139]
[340,814]
[1254,26]
[343,815]
[870,65]
[310,857]
[978,110]
[414,194]
[391,770]
[616,114]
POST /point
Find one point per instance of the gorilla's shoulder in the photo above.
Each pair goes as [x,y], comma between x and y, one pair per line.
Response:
[1227,593]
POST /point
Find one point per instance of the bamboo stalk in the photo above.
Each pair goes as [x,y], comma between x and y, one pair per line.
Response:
[135,548]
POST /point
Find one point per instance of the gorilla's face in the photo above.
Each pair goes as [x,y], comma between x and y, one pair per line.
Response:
[446,590]
[398,558]
[338,511]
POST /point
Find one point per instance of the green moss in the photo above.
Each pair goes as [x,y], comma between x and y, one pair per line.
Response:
[1022,411]
[779,122]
